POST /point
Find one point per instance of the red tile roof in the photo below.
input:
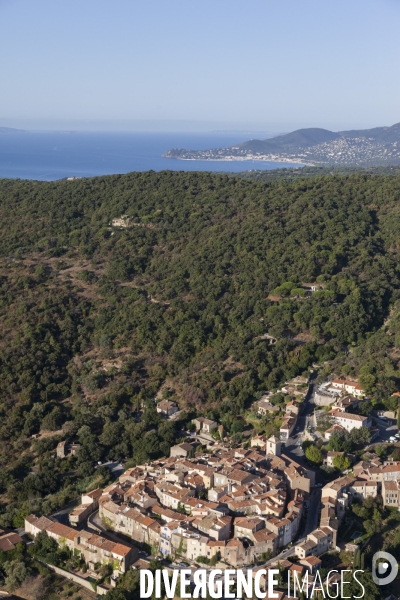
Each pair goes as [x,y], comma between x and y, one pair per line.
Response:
[121,550]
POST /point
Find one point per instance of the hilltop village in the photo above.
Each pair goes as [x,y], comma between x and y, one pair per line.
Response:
[231,507]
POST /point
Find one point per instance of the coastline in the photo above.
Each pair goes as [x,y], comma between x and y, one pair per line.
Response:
[247,158]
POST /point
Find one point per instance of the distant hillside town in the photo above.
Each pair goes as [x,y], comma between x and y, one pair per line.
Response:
[364,148]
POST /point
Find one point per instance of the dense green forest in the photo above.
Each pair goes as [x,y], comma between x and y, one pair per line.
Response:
[295,173]
[98,321]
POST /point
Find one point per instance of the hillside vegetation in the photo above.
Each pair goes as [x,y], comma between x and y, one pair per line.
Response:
[97,321]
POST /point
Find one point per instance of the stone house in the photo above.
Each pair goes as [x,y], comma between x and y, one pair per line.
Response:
[34,524]
[265,407]
[215,527]
[311,563]
[89,503]
[363,489]
[350,421]
[9,541]
[185,449]
[345,385]
[204,425]
[318,542]
[93,548]
[391,494]
[288,425]
[64,450]
[167,408]
[385,472]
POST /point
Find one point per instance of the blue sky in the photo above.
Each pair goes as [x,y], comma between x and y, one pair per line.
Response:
[272,64]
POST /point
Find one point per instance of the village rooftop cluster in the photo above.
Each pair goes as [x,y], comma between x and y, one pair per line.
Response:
[226,507]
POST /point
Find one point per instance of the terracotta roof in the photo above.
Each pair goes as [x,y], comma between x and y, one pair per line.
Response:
[9,541]
[348,416]
[264,535]
[166,405]
[185,446]
[334,428]
[234,543]
[347,382]
[214,543]
[39,522]
[121,549]
[6,544]
[248,522]
[238,475]
[31,519]
[312,560]
[94,493]
[298,568]
[62,530]
[391,485]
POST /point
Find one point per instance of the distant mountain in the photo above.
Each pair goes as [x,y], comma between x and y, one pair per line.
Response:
[365,147]
[11,130]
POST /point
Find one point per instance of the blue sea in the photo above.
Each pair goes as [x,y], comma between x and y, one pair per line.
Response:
[54,155]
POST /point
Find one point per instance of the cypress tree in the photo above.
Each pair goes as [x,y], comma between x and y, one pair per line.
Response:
[356,559]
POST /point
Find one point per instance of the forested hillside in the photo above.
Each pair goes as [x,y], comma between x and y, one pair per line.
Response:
[96,321]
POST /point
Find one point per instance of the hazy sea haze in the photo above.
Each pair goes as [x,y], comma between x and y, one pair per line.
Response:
[54,155]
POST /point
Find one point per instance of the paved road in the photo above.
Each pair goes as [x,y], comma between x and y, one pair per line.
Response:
[293,445]
[62,515]
[313,511]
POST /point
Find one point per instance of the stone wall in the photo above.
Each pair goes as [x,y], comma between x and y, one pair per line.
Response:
[101,591]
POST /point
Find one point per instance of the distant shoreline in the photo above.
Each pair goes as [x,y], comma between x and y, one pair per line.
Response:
[242,159]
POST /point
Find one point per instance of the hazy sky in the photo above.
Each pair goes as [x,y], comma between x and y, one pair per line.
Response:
[274,64]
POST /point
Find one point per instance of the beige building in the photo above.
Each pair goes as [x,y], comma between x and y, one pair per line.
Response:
[124,221]
[64,450]
[265,407]
[363,489]
[89,503]
[349,421]
[318,542]
[167,408]
[347,386]
[311,563]
[288,424]
[204,425]
[391,494]
[93,548]
[293,407]
[259,441]
[185,449]
[385,472]
[273,446]
[9,541]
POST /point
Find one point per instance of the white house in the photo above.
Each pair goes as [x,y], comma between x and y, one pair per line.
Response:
[349,421]
[167,408]
[351,387]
